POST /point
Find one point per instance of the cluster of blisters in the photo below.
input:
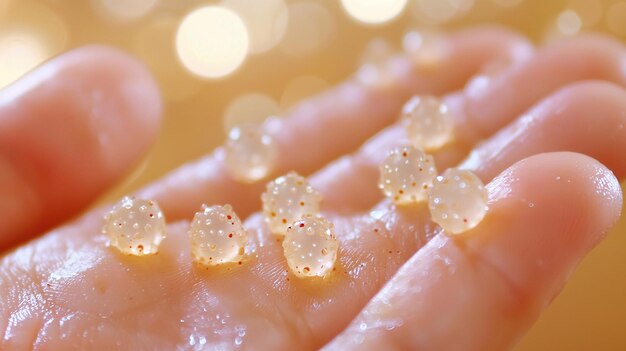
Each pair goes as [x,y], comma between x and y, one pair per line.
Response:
[250,153]
[287,199]
[217,236]
[310,247]
[135,226]
[406,174]
[428,122]
[457,200]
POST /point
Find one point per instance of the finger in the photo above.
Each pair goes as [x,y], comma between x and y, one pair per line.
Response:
[583,58]
[256,305]
[68,131]
[482,290]
[315,131]
[586,117]
[164,301]
[350,183]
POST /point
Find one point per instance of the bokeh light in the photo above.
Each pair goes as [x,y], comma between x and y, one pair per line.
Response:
[508,3]
[30,33]
[616,18]
[249,108]
[301,88]
[4,5]
[568,22]
[434,12]
[590,11]
[154,45]
[427,48]
[124,10]
[266,21]
[212,41]
[39,20]
[310,28]
[374,11]
[374,66]
[20,52]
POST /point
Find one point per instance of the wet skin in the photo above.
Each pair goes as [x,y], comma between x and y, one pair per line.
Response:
[546,135]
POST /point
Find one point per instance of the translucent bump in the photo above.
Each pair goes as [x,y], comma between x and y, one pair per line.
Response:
[288,199]
[217,236]
[406,174]
[250,153]
[457,200]
[428,122]
[135,226]
[310,247]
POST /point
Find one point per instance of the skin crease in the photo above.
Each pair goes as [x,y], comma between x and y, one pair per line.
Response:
[66,290]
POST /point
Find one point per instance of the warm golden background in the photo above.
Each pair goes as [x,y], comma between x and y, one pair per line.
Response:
[295,49]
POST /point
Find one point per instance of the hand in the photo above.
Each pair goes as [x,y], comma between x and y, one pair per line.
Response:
[70,129]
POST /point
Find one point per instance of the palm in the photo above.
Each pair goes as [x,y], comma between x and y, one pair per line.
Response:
[399,282]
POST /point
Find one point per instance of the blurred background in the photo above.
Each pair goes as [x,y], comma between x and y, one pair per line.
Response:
[269,54]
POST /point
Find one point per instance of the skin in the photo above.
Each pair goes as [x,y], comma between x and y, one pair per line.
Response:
[547,137]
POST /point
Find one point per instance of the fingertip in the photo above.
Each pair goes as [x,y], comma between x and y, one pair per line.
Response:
[547,212]
[69,130]
[125,100]
[566,192]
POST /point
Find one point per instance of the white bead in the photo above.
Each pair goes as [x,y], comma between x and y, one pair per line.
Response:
[217,236]
[250,153]
[457,200]
[310,247]
[428,122]
[135,226]
[288,199]
[406,174]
